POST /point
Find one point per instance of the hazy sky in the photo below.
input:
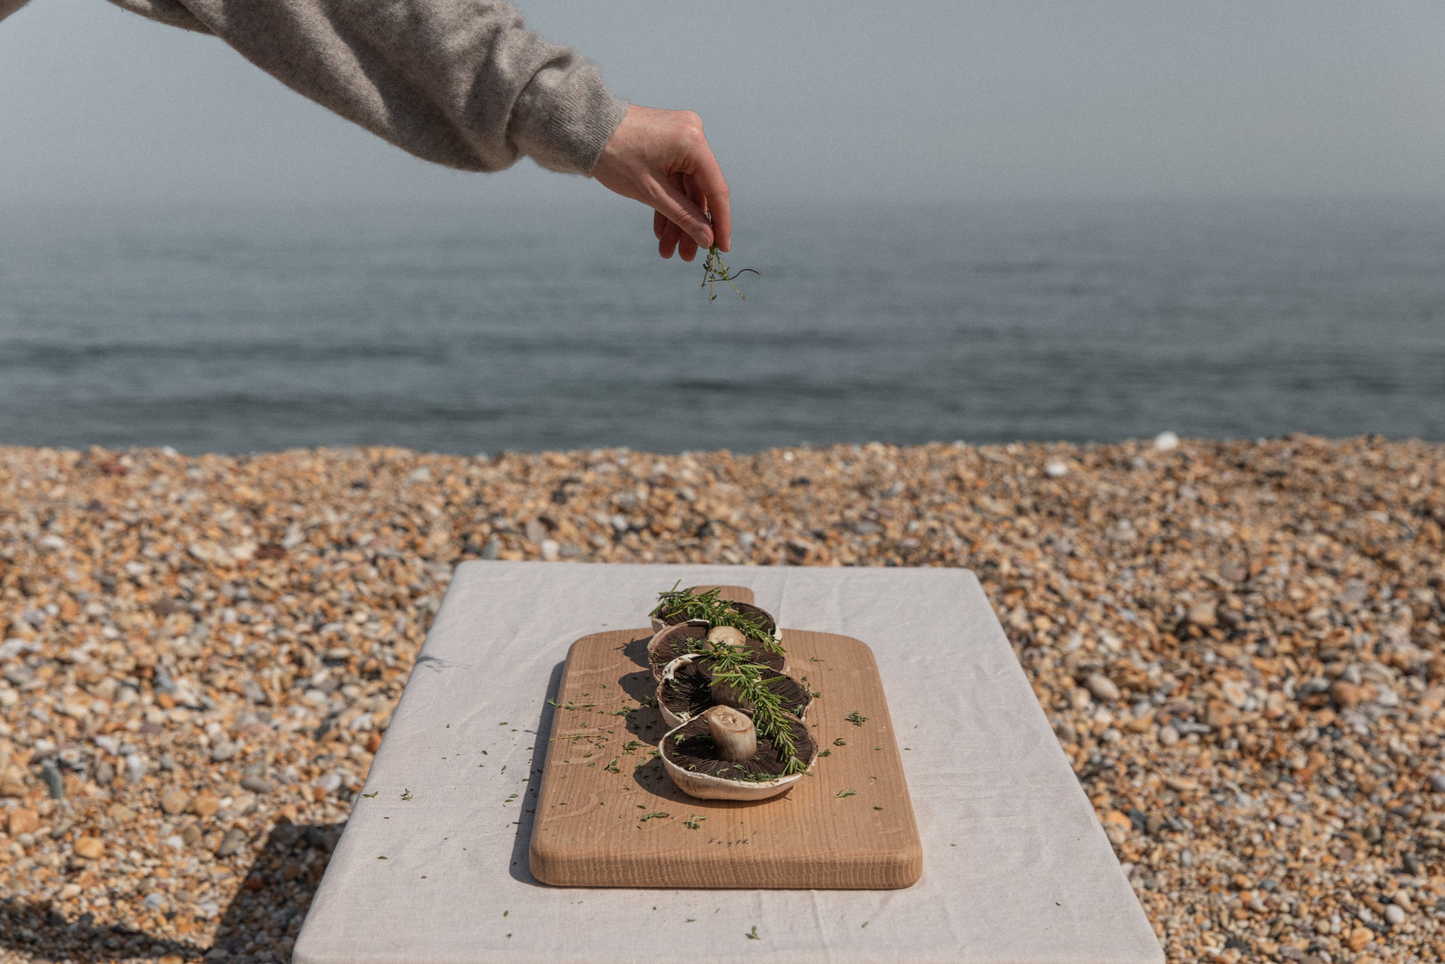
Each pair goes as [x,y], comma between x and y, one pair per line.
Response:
[813,100]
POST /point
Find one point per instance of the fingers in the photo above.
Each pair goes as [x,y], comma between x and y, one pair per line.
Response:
[709,179]
[670,234]
[680,209]
[686,246]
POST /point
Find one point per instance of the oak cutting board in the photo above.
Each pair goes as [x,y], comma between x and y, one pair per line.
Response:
[609,816]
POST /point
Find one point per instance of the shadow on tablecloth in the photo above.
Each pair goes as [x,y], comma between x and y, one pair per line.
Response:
[520,865]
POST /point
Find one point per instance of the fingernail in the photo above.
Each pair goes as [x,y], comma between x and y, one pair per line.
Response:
[702,240]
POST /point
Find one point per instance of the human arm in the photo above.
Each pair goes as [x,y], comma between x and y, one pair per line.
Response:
[463,83]
[458,82]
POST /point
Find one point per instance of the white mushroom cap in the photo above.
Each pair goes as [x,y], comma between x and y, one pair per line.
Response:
[669,672]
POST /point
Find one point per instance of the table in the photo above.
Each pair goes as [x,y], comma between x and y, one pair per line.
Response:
[1016,866]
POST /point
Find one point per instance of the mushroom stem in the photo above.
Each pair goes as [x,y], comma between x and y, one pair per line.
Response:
[733,732]
[727,636]
[728,694]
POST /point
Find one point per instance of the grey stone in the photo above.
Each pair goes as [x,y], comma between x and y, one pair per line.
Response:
[1395,914]
[493,548]
[232,842]
[53,783]
[1102,687]
[253,691]
[256,785]
[224,751]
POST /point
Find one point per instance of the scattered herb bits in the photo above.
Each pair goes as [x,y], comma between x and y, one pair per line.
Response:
[856,718]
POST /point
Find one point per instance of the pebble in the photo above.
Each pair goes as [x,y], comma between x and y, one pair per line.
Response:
[224,751]
[23,820]
[90,848]
[232,842]
[1103,688]
[1204,615]
[1347,695]
[256,785]
[275,602]
[54,783]
[174,800]
[1056,470]
[1166,442]
[1395,915]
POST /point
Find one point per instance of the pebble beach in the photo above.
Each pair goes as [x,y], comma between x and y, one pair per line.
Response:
[1238,644]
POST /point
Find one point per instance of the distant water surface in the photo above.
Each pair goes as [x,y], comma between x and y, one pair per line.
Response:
[542,328]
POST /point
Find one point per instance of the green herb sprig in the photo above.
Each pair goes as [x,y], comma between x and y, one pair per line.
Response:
[733,667]
[713,271]
[710,608]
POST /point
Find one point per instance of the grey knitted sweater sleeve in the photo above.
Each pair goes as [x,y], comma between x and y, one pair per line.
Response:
[459,82]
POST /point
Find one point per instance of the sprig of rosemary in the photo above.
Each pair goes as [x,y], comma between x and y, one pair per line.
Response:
[710,608]
[713,271]
[733,667]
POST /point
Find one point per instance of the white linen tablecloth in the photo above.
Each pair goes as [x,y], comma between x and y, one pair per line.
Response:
[1015,865]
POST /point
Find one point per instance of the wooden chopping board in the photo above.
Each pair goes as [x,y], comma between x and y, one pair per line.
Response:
[609,816]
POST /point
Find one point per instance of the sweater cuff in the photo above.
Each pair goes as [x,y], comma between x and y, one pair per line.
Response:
[564,117]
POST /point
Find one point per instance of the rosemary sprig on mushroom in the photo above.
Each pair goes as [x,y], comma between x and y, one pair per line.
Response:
[735,675]
[707,606]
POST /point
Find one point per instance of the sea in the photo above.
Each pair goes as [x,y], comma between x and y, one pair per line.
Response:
[535,327]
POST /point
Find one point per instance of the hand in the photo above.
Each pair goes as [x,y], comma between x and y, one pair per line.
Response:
[661,158]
